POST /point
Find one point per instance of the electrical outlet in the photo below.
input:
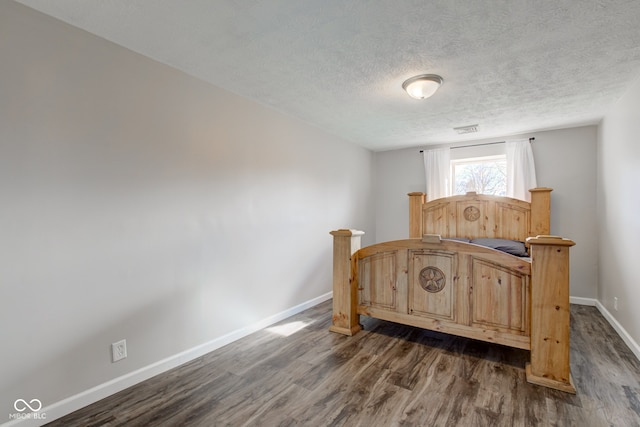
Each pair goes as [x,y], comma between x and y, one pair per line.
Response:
[118,350]
[615,303]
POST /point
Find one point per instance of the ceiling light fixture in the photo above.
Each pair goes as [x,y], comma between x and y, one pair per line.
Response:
[422,86]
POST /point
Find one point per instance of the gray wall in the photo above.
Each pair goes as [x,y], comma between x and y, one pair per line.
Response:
[618,208]
[141,203]
[565,161]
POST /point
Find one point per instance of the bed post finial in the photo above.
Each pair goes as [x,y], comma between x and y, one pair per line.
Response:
[540,211]
[345,285]
[416,200]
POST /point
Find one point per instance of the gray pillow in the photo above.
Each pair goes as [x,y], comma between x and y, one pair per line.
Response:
[512,247]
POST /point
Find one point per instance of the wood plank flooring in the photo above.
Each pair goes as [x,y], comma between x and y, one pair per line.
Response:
[387,375]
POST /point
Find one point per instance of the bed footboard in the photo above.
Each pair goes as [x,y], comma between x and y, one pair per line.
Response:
[464,290]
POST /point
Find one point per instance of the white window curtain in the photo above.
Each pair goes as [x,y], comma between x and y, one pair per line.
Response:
[521,169]
[437,167]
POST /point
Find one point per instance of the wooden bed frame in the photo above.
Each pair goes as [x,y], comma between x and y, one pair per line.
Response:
[462,288]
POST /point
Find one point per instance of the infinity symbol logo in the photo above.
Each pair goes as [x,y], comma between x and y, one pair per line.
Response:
[21,405]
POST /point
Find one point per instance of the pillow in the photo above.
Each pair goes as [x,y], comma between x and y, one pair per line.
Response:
[512,247]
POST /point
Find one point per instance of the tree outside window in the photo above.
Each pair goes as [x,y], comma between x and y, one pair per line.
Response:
[484,175]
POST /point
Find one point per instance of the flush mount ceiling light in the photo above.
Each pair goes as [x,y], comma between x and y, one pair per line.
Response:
[422,86]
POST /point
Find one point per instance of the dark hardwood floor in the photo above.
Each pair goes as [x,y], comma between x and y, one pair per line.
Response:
[387,375]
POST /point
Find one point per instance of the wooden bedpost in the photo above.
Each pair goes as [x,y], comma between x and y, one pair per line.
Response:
[416,200]
[549,364]
[540,211]
[345,293]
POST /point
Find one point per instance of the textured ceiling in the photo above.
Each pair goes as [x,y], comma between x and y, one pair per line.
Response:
[510,66]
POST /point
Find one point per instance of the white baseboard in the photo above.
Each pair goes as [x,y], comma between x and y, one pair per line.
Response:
[583,301]
[628,340]
[87,397]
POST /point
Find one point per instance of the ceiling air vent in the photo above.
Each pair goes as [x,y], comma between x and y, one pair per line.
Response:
[466,129]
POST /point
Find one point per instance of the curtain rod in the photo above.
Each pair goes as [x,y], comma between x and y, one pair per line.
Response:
[486,143]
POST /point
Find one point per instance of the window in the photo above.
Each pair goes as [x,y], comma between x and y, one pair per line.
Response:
[500,169]
[484,175]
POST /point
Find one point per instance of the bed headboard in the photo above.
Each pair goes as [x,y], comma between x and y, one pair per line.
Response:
[481,216]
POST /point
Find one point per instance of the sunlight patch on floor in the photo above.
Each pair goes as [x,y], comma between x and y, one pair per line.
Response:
[288,328]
